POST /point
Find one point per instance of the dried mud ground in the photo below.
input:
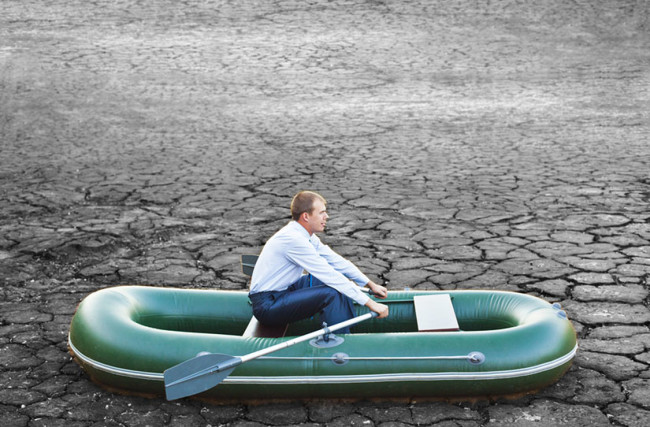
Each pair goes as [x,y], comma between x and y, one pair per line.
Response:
[489,145]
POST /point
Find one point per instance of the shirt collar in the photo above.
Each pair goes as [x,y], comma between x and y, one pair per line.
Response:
[300,229]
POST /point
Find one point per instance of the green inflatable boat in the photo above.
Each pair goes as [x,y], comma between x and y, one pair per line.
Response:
[506,344]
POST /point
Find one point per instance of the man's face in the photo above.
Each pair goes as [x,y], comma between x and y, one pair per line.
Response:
[317,219]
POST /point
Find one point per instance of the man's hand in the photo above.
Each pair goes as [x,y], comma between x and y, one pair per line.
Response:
[379,308]
[378,290]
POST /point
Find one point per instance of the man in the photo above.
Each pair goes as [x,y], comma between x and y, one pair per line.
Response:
[281,293]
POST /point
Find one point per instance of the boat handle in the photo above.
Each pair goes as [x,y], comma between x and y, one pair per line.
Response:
[475,358]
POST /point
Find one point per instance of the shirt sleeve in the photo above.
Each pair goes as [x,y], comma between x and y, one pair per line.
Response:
[307,256]
[340,264]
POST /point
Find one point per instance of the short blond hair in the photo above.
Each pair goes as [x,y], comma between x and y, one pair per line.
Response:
[304,202]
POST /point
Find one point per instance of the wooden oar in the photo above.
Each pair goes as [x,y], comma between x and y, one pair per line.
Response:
[207,370]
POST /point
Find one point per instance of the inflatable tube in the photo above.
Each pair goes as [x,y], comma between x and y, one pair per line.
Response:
[509,344]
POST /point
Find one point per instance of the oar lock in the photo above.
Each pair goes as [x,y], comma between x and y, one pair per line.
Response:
[327,340]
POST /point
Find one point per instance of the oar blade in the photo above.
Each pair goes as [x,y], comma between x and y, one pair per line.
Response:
[198,374]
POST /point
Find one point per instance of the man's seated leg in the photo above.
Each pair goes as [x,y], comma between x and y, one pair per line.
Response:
[339,307]
[301,301]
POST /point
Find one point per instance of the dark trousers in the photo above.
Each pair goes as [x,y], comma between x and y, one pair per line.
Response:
[301,300]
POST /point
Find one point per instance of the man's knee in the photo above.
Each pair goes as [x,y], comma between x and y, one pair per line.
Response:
[330,294]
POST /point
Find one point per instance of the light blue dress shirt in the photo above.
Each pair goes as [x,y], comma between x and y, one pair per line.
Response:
[291,251]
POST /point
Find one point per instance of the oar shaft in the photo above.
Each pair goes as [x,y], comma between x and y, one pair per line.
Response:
[207,370]
[309,336]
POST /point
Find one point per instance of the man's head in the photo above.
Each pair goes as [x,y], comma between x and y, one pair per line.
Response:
[309,209]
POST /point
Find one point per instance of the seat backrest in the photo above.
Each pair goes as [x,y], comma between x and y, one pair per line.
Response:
[248,264]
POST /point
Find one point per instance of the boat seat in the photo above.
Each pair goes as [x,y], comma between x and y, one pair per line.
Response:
[435,313]
[255,328]
[261,330]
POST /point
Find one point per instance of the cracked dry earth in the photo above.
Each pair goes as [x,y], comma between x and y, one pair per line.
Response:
[460,145]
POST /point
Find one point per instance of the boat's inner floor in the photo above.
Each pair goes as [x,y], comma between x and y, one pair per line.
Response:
[398,321]
[237,327]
